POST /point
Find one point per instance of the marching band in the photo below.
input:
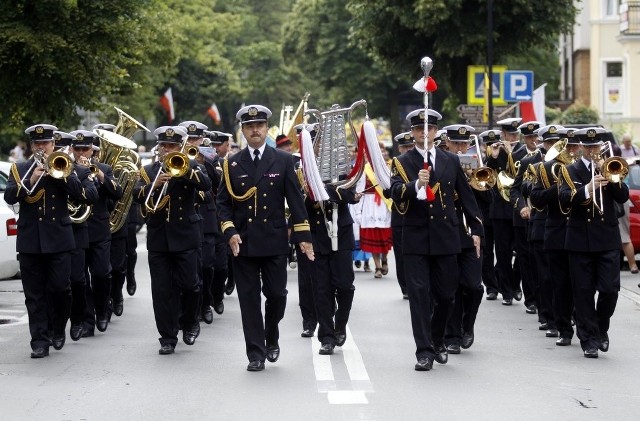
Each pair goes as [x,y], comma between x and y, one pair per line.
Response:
[221,218]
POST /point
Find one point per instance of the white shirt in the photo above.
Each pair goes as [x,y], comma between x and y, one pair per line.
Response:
[260,149]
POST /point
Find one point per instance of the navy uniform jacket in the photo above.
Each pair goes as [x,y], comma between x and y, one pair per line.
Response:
[251,203]
[81,230]
[207,200]
[544,195]
[108,192]
[500,208]
[44,225]
[431,228]
[587,229]
[175,225]
[520,189]
[319,233]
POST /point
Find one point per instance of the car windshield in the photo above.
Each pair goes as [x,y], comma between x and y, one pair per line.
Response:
[3,181]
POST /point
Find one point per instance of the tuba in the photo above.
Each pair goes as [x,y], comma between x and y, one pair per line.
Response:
[116,151]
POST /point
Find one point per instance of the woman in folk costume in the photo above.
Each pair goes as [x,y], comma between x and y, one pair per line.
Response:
[374,217]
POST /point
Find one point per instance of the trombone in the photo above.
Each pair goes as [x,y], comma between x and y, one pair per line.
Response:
[176,164]
[614,169]
[58,165]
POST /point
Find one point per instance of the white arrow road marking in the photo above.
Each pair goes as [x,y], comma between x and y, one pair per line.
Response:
[342,392]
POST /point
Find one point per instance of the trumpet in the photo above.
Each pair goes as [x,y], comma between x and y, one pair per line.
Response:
[58,165]
[176,164]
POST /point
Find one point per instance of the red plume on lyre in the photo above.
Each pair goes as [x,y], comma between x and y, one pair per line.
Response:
[431,85]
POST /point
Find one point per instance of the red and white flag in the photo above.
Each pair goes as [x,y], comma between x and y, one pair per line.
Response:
[534,110]
[166,101]
[214,113]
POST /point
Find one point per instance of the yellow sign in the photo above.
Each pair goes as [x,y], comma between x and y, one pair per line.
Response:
[476,82]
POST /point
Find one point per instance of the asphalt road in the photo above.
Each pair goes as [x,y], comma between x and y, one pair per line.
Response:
[512,371]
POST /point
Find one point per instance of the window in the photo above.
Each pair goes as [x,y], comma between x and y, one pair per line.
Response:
[614,69]
[611,8]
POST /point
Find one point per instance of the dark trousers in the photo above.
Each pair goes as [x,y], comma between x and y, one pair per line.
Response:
[306,292]
[118,266]
[544,298]
[173,274]
[98,287]
[332,281]
[132,254]
[489,278]
[247,271]
[431,283]
[78,280]
[208,263]
[45,279]
[526,263]
[562,291]
[468,297]
[220,268]
[591,272]
[503,237]
[398,254]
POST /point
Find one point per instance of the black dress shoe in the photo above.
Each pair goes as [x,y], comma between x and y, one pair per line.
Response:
[307,333]
[255,366]
[131,286]
[591,353]
[492,296]
[207,315]
[507,301]
[341,337]
[87,332]
[189,336]
[453,349]
[228,289]
[166,349]
[118,307]
[531,309]
[102,324]
[218,307]
[40,352]
[518,295]
[76,331]
[563,341]
[604,343]
[58,341]
[543,326]
[424,364]
[467,340]
[273,353]
[441,355]
[326,349]
[552,333]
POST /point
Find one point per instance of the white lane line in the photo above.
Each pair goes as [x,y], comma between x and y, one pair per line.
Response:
[630,295]
[321,363]
[347,397]
[12,311]
[353,359]
[350,391]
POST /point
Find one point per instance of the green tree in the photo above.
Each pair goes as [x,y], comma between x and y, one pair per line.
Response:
[454,33]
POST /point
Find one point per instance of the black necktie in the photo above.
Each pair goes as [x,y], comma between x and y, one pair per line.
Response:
[429,161]
[256,157]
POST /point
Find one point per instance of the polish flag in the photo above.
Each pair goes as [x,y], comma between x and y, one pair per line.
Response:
[534,110]
[166,101]
[214,113]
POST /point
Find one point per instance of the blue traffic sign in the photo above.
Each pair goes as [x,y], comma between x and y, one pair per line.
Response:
[518,85]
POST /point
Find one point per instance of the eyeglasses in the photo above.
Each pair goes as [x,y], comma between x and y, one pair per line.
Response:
[81,148]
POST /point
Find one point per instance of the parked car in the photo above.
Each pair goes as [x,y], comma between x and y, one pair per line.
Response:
[9,267]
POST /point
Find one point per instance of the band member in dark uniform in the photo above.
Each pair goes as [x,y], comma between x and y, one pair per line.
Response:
[173,236]
[544,195]
[80,226]
[526,154]
[405,143]
[500,159]
[592,240]
[256,181]
[332,271]
[212,292]
[460,328]
[45,237]
[98,257]
[489,273]
[429,178]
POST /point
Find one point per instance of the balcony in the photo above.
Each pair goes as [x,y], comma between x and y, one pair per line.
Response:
[630,18]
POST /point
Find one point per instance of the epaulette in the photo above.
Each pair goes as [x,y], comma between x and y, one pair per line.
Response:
[398,169]
[543,177]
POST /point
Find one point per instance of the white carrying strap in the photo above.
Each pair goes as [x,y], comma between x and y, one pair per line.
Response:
[310,168]
[380,167]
